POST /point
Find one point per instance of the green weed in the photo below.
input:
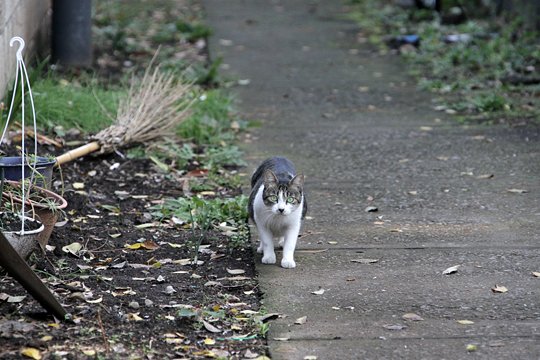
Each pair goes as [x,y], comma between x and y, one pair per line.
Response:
[86,106]
[485,72]
[207,214]
[211,122]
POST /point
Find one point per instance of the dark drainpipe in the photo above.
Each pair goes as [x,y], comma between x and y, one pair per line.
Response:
[72,32]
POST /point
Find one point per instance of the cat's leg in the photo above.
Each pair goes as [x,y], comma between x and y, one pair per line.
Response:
[291,236]
[267,246]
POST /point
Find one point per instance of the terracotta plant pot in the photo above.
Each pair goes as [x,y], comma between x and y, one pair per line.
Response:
[46,214]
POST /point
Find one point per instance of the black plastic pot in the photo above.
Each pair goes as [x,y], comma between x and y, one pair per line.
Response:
[13,169]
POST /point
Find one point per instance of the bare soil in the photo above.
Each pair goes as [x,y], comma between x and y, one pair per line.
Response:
[131,303]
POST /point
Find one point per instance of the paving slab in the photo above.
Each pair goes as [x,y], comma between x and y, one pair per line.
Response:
[365,136]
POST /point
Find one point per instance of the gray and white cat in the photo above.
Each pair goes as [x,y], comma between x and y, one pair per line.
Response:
[277,205]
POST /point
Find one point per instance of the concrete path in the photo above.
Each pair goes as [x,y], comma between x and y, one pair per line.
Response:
[364,136]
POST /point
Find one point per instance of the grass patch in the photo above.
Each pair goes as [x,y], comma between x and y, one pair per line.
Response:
[490,73]
[228,216]
[71,104]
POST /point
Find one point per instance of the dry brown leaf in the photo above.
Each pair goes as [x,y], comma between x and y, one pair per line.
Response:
[31,353]
[394,327]
[499,289]
[210,327]
[236,271]
[365,261]
[517,191]
[412,317]
[451,270]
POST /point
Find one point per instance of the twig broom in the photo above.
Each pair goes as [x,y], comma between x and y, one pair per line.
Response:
[154,106]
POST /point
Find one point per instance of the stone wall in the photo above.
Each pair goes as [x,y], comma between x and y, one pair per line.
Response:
[29,19]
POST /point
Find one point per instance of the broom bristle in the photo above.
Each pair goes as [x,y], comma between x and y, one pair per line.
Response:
[155,105]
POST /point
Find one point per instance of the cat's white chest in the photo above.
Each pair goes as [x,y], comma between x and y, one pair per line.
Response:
[277,223]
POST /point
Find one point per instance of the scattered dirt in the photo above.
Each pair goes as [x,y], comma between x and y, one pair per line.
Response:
[132,303]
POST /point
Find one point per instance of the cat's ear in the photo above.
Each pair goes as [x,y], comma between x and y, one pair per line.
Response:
[270,177]
[297,181]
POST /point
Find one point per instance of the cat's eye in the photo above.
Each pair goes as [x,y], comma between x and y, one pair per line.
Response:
[291,200]
[272,198]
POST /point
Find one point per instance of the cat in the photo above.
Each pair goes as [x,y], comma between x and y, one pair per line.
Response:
[277,205]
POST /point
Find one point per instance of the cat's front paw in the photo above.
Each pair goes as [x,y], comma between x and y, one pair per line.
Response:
[288,263]
[269,259]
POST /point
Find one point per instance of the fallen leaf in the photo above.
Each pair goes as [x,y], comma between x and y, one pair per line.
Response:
[119,265]
[426,128]
[250,354]
[332,242]
[281,339]
[499,289]
[394,327]
[146,225]
[210,327]
[78,185]
[517,191]
[197,173]
[73,248]
[15,299]
[471,348]
[412,317]
[95,301]
[169,290]
[301,320]
[268,317]
[451,270]
[371,209]
[147,244]
[318,292]
[310,357]
[536,274]
[173,245]
[31,353]
[238,278]
[465,322]
[209,341]
[236,271]
[484,176]
[89,352]
[365,261]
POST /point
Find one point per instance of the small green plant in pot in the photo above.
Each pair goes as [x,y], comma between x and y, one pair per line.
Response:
[39,203]
[20,230]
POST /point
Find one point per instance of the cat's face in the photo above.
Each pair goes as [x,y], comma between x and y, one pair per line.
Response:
[282,199]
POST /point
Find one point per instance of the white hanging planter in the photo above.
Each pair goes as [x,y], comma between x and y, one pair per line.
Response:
[26,162]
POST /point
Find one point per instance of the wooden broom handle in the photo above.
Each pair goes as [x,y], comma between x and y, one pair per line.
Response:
[78,152]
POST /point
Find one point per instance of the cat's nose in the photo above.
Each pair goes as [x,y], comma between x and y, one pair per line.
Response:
[281,210]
